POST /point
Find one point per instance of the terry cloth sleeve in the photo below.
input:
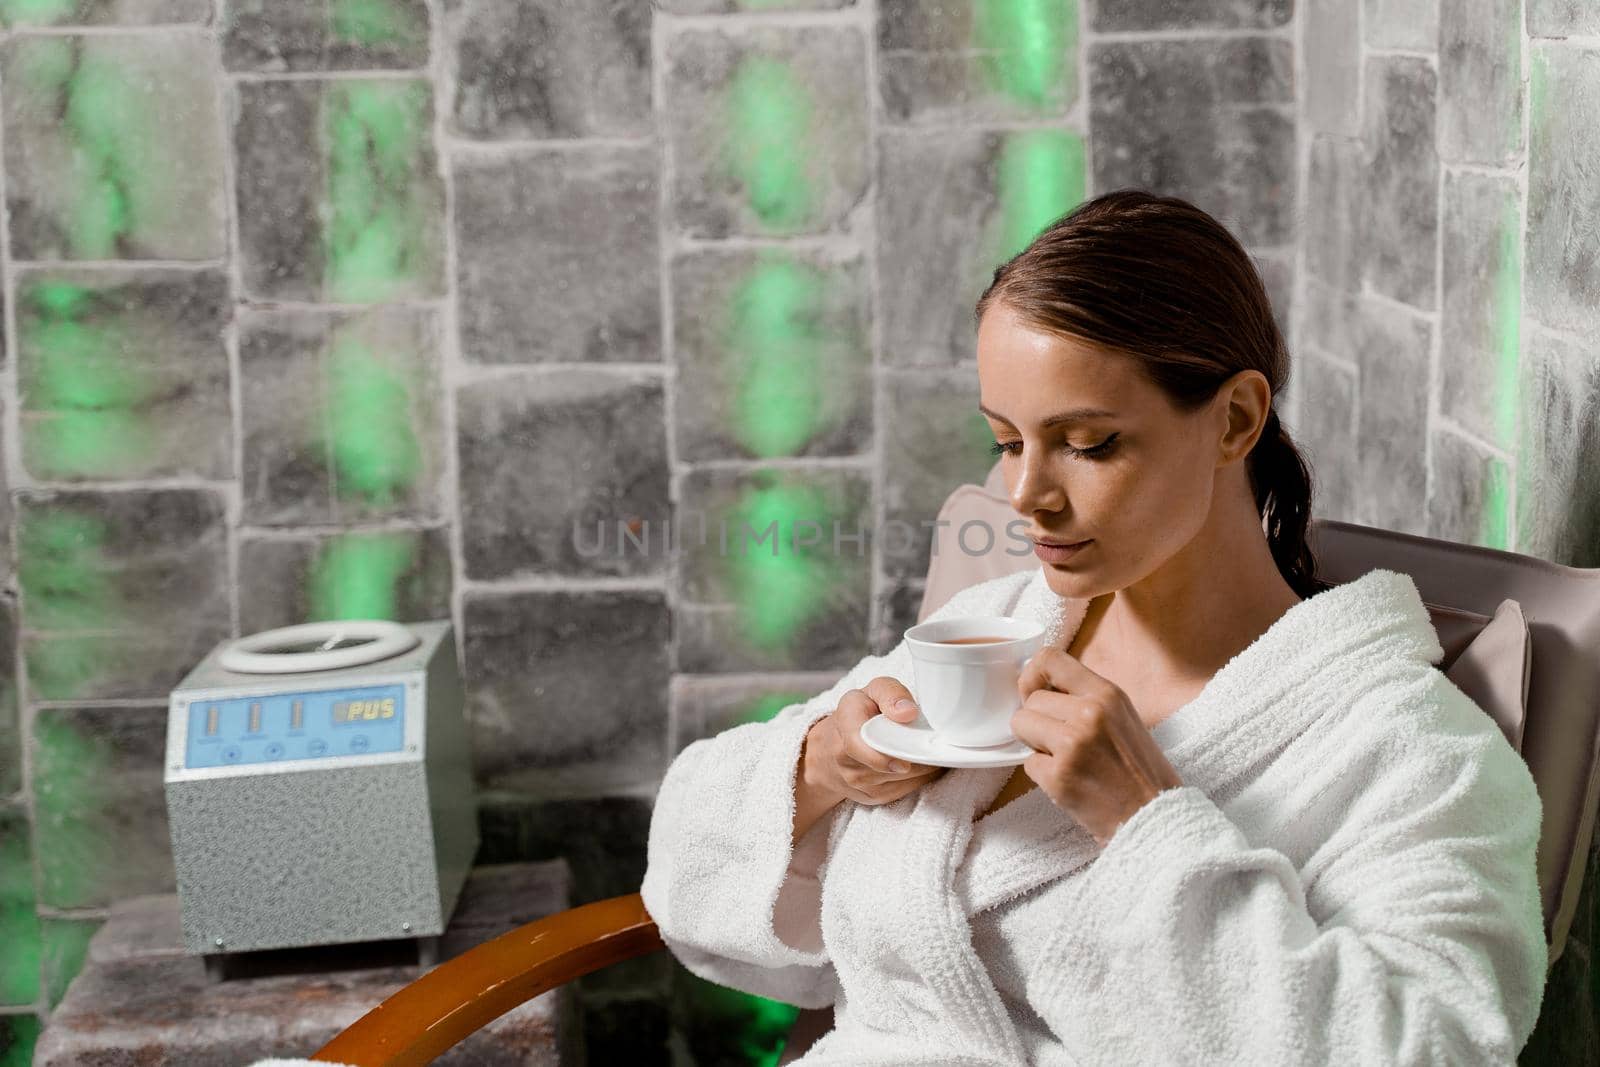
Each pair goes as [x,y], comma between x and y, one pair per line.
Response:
[1413,935]
[734,902]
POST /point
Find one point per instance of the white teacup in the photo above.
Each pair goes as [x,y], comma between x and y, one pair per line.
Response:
[968,690]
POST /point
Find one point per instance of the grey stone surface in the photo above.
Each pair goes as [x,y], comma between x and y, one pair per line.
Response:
[934,439]
[10,708]
[1482,222]
[1332,58]
[754,596]
[1325,431]
[1330,321]
[141,1001]
[323,216]
[1401,187]
[567,691]
[113,146]
[108,13]
[1558,453]
[936,224]
[1563,266]
[897,612]
[308,35]
[1392,418]
[1334,230]
[1408,24]
[1125,15]
[122,592]
[100,817]
[1562,18]
[766,129]
[369,574]
[1470,499]
[600,839]
[340,415]
[958,62]
[706,705]
[1277,276]
[1160,109]
[123,373]
[548,68]
[1480,81]
[723,7]
[563,472]
[556,255]
[775,348]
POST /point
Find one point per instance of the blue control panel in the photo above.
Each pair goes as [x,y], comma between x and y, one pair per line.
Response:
[274,727]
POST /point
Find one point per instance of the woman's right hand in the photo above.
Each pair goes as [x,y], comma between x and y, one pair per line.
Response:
[839,763]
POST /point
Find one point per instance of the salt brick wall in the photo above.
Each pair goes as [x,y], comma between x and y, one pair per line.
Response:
[319,309]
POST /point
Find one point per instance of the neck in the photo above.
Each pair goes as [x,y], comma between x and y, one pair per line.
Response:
[1185,620]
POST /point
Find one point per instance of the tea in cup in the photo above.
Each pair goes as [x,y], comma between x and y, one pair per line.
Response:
[966,673]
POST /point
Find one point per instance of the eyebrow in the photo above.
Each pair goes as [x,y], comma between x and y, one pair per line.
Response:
[1070,415]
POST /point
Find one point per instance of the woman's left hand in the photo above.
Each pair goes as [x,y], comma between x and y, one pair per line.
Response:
[1095,757]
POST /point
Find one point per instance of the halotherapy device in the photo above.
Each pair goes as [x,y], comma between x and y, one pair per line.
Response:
[318,788]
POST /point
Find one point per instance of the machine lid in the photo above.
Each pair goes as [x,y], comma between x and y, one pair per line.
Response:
[312,646]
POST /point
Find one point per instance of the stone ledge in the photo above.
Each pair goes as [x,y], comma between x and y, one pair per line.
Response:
[141,1000]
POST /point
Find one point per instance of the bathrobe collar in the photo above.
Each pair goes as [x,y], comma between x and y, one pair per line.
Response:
[1248,711]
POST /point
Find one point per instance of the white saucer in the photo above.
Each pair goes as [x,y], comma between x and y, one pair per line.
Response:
[917,743]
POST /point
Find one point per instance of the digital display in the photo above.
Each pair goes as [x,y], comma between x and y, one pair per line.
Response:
[274,728]
[350,711]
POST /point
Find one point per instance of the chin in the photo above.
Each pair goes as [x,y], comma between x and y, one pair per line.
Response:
[1074,584]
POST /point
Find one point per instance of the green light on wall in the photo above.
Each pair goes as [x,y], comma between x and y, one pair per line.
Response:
[1041,177]
[18,1035]
[109,133]
[1494,520]
[372,22]
[63,573]
[80,388]
[70,770]
[67,587]
[767,114]
[65,945]
[1028,47]
[1508,359]
[769,705]
[375,452]
[19,921]
[773,348]
[737,1028]
[778,591]
[376,135]
[36,12]
[357,576]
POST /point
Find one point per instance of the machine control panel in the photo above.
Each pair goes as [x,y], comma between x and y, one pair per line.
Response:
[273,727]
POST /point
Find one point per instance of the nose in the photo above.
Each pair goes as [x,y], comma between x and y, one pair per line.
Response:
[1035,489]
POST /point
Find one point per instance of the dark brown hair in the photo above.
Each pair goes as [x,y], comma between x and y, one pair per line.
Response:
[1156,278]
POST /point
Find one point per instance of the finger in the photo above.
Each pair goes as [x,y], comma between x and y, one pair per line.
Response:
[1059,706]
[893,698]
[1055,668]
[1038,730]
[854,709]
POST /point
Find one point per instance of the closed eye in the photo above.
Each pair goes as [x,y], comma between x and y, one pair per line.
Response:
[1099,451]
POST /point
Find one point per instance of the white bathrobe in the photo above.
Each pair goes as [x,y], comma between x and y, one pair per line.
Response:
[1346,876]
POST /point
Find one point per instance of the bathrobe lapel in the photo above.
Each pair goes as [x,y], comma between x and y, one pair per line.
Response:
[1250,710]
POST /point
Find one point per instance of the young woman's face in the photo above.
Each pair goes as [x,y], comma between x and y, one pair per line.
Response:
[1135,482]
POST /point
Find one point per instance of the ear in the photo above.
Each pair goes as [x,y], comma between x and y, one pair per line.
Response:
[1246,399]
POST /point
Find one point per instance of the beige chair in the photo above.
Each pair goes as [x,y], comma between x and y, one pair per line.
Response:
[1464,587]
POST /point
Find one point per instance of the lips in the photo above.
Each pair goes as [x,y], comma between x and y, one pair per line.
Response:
[1052,542]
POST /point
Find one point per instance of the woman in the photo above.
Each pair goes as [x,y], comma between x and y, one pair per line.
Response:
[1260,826]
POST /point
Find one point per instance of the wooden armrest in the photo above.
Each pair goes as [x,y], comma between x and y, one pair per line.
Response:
[456,998]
